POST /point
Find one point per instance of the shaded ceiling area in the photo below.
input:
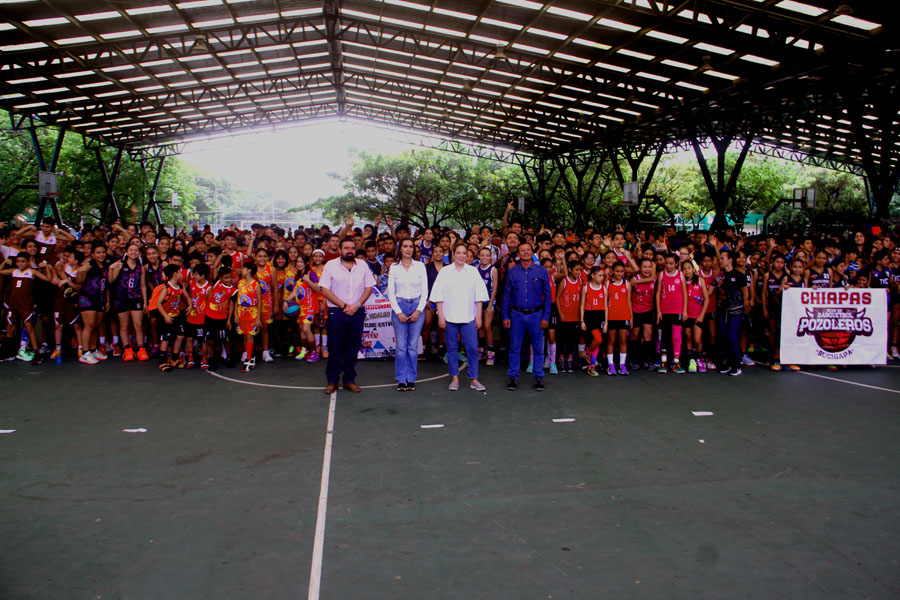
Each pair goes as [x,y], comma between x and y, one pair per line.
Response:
[817,78]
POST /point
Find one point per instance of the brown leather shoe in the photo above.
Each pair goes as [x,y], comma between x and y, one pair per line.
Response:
[352,387]
[330,388]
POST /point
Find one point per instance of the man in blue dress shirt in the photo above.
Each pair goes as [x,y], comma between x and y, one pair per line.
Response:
[526,307]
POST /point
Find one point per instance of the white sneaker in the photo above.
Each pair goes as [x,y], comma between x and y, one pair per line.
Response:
[243,357]
[267,356]
[88,359]
[477,386]
[99,355]
[748,361]
[895,354]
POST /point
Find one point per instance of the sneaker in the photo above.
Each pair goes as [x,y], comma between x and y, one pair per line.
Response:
[59,358]
[895,354]
[477,386]
[748,361]
[57,352]
[313,357]
[128,355]
[248,365]
[490,359]
[25,354]
[661,366]
[204,365]
[154,350]
[611,369]
[88,359]
[570,366]
[710,365]
[554,370]
[411,386]
[794,367]
[776,366]
[454,386]
[324,352]
[692,366]
[38,358]
[677,368]
[530,368]
[701,366]
[512,384]
[401,387]
[165,367]
[189,363]
[725,370]
[463,358]
[302,354]
[735,372]
[623,370]
[99,355]
[539,384]
[116,350]
[267,356]
[591,371]
[142,354]
[177,364]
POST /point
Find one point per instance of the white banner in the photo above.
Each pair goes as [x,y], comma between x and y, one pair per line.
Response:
[834,326]
[378,339]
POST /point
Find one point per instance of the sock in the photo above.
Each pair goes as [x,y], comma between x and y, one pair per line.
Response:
[102,340]
[622,357]
[552,348]
[581,348]
[115,339]
[249,347]
[594,357]
[676,341]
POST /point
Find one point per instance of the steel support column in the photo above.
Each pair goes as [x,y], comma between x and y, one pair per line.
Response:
[543,178]
[585,181]
[109,182]
[152,204]
[635,156]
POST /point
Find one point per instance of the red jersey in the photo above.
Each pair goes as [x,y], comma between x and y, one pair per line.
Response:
[594,298]
[710,281]
[617,299]
[671,299]
[171,300]
[642,295]
[217,300]
[199,300]
[695,299]
[237,260]
[569,301]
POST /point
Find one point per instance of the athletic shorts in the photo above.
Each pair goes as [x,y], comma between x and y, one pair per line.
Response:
[670,319]
[168,331]
[689,322]
[87,303]
[593,319]
[196,331]
[128,304]
[247,326]
[618,324]
[644,318]
[554,317]
[216,329]
[309,317]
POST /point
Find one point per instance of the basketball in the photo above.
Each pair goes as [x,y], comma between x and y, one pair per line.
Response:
[834,341]
[292,309]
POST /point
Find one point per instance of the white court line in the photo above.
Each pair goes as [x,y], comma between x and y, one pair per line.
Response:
[319,387]
[315,569]
[865,385]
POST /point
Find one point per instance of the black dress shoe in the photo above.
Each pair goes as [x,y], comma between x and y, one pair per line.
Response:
[539,384]
[512,384]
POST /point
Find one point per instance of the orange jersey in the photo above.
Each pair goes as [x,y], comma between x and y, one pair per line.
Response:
[617,298]
[171,300]
[264,277]
[569,301]
[594,298]
[199,299]
[217,300]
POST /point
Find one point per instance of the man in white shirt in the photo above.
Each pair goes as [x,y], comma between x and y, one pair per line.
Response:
[346,283]
[458,293]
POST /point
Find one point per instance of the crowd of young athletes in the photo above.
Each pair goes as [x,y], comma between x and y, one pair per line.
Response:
[622,300]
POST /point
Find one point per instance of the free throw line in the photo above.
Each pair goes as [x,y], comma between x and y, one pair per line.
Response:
[315,570]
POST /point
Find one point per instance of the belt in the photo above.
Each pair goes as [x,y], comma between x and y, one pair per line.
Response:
[527,311]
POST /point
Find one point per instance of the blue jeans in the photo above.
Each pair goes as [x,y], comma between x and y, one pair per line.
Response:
[730,332]
[406,336]
[344,342]
[519,324]
[470,343]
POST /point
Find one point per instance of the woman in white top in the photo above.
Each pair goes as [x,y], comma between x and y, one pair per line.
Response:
[459,293]
[408,292]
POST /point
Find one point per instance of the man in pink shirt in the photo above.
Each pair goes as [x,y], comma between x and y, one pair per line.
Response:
[346,283]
